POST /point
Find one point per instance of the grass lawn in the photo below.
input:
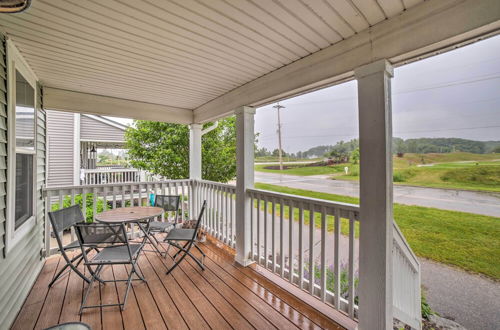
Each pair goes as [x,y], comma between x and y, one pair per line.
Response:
[465,240]
[453,171]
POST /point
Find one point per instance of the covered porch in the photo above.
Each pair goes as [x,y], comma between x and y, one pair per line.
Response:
[224,296]
[195,62]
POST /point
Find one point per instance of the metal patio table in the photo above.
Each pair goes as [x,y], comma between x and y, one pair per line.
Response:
[133,215]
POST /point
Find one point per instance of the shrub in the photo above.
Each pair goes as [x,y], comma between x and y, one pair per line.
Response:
[89,203]
[487,175]
[403,176]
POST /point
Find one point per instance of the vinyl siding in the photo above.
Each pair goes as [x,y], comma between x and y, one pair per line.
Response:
[20,267]
[60,126]
[94,130]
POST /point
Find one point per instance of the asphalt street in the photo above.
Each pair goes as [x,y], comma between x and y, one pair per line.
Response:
[447,199]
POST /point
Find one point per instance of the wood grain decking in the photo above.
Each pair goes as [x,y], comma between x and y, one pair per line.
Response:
[224,296]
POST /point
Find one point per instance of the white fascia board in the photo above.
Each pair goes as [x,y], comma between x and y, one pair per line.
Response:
[72,101]
[430,27]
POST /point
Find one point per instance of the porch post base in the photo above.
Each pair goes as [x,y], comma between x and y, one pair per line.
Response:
[244,261]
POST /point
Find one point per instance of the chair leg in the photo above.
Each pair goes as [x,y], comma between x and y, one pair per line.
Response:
[58,275]
[129,284]
[89,287]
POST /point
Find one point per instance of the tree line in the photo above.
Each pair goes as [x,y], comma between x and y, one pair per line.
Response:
[400,146]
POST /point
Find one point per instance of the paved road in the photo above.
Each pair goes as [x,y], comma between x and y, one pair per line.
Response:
[471,300]
[466,201]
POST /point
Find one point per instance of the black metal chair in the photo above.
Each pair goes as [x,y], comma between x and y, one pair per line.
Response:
[62,220]
[188,236]
[169,203]
[115,249]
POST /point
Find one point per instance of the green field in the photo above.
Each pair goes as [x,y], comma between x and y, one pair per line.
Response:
[454,171]
[465,240]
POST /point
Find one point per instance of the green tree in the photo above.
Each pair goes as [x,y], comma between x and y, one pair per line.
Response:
[163,149]
[355,156]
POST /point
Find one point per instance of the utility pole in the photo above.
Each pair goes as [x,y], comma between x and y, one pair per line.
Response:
[280,152]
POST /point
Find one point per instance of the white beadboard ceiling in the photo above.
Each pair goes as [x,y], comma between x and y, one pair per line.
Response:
[180,53]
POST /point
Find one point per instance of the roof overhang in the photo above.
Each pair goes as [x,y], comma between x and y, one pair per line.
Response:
[195,61]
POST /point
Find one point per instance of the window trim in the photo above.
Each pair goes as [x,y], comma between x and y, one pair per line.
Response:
[16,62]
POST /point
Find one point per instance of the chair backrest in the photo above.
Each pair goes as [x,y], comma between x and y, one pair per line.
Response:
[65,218]
[101,234]
[168,202]
[200,218]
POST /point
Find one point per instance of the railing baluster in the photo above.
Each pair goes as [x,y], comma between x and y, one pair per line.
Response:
[282,252]
[311,249]
[323,254]
[114,198]
[252,228]
[132,195]
[232,223]
[258,229]
[266,251]
[273,235]
[226,212]
[301,246]
[290,242]
[73,234]
[351,264]
[94,203]
[336,266]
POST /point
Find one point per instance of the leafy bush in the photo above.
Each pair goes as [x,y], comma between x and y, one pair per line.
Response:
[89,203]
[483,174]
[424,306]
[403,176]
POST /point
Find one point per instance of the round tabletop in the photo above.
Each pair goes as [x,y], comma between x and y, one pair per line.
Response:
[129,214]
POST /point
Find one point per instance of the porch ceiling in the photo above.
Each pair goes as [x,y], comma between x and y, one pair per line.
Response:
[190,54]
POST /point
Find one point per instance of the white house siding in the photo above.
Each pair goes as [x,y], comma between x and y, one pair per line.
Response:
[94,130]
[20,267]
[60,126]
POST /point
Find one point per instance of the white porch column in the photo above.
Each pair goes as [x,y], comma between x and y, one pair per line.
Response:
[194,165]
[375,246]
[245,138]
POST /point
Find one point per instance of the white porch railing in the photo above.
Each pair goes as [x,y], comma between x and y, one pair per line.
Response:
[101,197]
[116,175]
[406,282]
[287,242]
[220,211]
[311,243]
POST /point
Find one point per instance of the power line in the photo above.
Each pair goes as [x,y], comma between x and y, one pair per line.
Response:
[414,131]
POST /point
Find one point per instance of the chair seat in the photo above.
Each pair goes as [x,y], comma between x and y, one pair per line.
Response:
[72,245]
[160,226]
[116,254]
[180,234]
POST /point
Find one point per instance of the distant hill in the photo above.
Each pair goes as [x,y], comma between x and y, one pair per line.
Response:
[417,146]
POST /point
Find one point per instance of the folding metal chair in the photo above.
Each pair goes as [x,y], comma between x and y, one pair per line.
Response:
[189,237]
[169,203]
[115,249]
[62,220]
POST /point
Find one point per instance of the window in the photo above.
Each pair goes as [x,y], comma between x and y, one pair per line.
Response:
[25,147]
[21,166]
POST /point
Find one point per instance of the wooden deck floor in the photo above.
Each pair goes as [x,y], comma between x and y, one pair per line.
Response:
[224,296]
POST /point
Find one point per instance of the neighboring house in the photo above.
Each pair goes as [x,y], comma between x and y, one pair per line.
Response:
[72,141]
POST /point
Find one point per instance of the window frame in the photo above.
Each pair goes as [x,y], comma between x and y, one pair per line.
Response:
[15,62]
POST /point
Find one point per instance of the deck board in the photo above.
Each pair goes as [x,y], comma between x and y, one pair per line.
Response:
[224,296]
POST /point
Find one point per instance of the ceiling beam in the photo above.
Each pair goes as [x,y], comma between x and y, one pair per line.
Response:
[65,100]
[432,26]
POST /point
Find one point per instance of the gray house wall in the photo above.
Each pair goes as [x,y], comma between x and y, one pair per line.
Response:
[94,130]
[20,267]
[60,131]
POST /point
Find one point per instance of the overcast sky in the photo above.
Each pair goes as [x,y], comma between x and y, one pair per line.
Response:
[456,94]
